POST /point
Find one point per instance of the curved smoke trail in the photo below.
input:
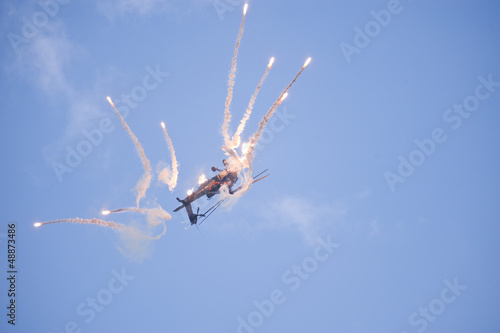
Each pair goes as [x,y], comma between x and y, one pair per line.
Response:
[143,184]
[99,222]
[236,138]
[170,178]
[154,216]
[230,83]
[263,122]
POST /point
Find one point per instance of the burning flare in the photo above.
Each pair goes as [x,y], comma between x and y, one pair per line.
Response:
[202,179]
[307,62]
[271,62]
[245,147]
[283,98]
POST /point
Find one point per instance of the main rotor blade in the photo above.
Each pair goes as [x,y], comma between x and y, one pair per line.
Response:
[255,181]
[213,208]
[260,174]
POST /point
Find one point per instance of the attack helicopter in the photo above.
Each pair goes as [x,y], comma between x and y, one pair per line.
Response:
[211,187]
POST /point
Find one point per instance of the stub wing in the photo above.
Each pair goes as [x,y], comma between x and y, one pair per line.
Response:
[178,208]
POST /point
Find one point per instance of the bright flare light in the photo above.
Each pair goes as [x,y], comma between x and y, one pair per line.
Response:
[283,98]
[245,9]
[271,61]
[162,124]
[307,62]
[202,179]
[110,101]
[189,192]
[105,212]
[244,147]
[37,224]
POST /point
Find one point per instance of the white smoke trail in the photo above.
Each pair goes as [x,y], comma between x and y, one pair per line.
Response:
[236,138]
[143,183]
[230,83]
[164,172]
[136,242]
[121,210]
[154,216]
[169,177]
[102,223]
[136,238]
[249,155]
[136,245]
[243,164]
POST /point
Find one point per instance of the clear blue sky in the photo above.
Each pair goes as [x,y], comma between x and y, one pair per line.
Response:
[386,150]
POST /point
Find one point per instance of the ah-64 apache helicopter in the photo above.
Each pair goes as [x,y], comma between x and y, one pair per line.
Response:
[209,188]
